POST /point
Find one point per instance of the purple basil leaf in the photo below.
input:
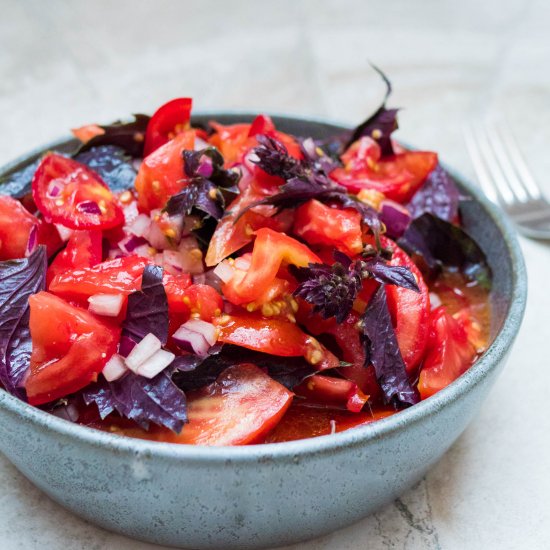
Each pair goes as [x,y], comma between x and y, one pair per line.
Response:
[315,158]
[147,308]
[395,217]
[438,196]
[330,289]
[112,164]
[382,350]
[397,275]
[157,400]
[444,245]
[193,372]
[273,158]
[19,279]
[129,136]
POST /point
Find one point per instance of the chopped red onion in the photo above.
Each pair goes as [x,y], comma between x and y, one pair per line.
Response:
[395,217]
[172,261]
[435,300]
[208,330]
[108,305]
[224,271]
[54,190]
[140,226]
[242,264]
[200,144]
[142,351]
[114,368]
[64,232]
[125,346]
[191,256]
[131,213]
[155,364]
[130,243]
[189,340]
[33,240]
[67,412]
[157,239]
[89,207]
[211,279]
[145,251]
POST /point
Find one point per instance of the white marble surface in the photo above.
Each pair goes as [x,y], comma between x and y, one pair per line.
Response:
[63,64]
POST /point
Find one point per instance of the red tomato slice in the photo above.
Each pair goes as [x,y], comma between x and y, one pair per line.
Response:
[69,348]
[161,173]
[16,226]
[274,336]
[73,195]
[302,422]
[168,121]
[262,124]
[201,300]
[410,311]
[271,249]
[84,249]
[317,223]
[449,355]
[332,392]
[398,177]
[241,407]
[231,235]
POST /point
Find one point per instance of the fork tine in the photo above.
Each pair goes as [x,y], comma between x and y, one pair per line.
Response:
[487,184]
[493,166]
[517,160]
[506,165]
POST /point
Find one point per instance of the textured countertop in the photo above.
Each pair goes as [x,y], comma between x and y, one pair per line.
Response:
[64,64]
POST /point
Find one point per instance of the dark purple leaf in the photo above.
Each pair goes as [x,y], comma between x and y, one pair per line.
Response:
[382,351]
[112,164]
[147,308]
[18,184]
[129,136]
[395,217]
[273,158]
[438,196]
[194,372]
[157,400]
[18,280]
[444,245]
[382,272]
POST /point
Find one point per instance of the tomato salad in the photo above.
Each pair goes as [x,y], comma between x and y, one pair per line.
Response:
[234,284]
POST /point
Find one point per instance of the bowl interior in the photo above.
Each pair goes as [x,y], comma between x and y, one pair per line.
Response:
[481,219]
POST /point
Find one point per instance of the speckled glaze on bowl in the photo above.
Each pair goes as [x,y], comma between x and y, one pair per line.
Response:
[265,495]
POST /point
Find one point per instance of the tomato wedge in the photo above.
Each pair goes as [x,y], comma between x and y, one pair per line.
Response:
[271,249]
[241,407]
[168,121]
[84,249]
[67,354]
[398,176]
[450,353]
[161,173]
[318,223]
[17,225]
[274,336]
[73,195]
[302,422]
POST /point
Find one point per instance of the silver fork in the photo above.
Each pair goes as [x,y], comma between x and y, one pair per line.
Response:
[506,179]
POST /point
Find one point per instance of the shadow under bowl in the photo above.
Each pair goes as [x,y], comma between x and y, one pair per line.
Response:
[265,495]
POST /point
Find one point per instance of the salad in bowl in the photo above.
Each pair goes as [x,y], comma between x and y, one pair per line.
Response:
[233,284]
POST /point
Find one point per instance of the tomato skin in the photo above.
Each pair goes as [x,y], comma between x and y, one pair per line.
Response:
[271,249]
[275,336]
[398,176]
[168,120]
[303,421]
[449,354]
[161,173]
[192,299]
[84,249]
[318,223]
[67,354]
[410,310]
[77,186]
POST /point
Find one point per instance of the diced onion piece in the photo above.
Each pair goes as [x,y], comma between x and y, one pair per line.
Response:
[189,340]
[140,226]
[130,243]
[242,264]
[208,330]
[64,232]
[156,363]
[191,256]
[224,271]
[68,412]
[114,368]
[435,301]
[33,241]
[142,351]
[108,305]
[131,213]
[172,261]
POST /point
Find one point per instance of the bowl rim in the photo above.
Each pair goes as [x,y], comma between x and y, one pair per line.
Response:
[326,444]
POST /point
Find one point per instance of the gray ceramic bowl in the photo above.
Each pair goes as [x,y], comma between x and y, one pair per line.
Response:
[265,495]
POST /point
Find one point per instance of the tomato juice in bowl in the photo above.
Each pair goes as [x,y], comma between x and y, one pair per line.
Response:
[312,389]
